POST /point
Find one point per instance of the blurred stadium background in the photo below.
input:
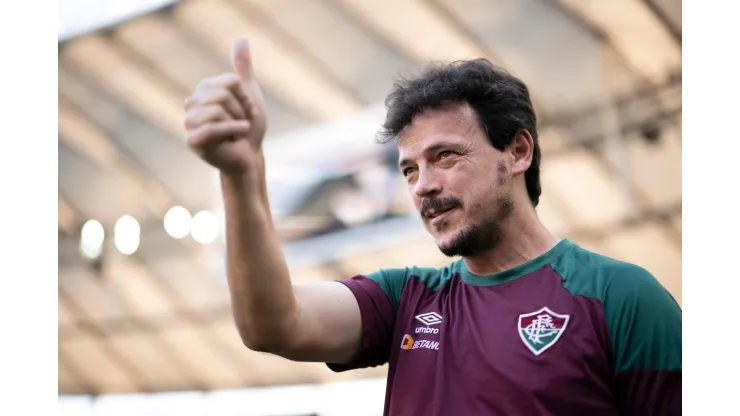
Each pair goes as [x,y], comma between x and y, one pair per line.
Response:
[144,320]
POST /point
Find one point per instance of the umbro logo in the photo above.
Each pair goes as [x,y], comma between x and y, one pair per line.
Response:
[429,318]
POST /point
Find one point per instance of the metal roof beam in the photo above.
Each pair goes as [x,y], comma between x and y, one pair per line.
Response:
[68,219]
[90,141]
[634,31]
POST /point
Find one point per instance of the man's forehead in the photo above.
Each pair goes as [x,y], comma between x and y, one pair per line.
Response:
[454,123]
[453,116]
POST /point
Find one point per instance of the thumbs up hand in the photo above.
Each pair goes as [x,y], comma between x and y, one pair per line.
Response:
[225,117]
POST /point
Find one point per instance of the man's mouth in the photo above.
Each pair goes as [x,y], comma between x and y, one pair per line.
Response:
[437,215]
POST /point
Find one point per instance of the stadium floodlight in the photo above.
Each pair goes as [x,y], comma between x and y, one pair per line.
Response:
[177,222]
[126,235]
[205,227]
[92,236]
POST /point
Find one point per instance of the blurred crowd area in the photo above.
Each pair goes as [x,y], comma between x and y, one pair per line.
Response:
[143,305]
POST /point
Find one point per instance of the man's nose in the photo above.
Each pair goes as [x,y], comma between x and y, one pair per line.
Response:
[427,184]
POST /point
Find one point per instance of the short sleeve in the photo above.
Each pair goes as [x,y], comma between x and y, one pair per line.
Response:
[377,295]
[645,329]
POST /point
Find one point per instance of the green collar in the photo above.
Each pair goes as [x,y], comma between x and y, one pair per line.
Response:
[516,272]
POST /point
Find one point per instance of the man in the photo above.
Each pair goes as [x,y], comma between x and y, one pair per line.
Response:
[524,324]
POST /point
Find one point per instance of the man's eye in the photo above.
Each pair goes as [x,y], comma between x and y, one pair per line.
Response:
[445,154]
[407,172]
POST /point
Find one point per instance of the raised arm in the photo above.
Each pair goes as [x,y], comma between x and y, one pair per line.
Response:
[226,124]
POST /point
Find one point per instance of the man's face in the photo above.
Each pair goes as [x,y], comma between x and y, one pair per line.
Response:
[458,181]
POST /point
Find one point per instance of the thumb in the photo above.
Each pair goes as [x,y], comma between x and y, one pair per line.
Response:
[241,59]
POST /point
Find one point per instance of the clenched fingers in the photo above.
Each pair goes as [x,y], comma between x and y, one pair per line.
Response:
[227,81]
[197,116]
[210,134]
[220,96]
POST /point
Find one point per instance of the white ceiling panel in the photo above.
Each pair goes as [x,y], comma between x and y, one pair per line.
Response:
[96,297]
[65,315]
[155,364]
[246,363]
[323,32]
[671,9]
[403,23]
[95,364]
[655,168]
[635,32]
[191,284]
[551,216]
[583,184]
[130,83]
[68,220]
[215,370]
[94,144]
[139,290]
[650,247]
[68,383]
[157,38]
[274,65]
[677,222]
[564,65]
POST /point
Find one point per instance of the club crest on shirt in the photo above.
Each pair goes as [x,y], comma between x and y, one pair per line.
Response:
[540,330]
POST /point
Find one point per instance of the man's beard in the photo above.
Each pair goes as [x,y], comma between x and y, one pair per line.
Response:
[483,237]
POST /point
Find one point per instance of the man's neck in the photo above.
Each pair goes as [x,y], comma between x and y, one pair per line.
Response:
[524,238]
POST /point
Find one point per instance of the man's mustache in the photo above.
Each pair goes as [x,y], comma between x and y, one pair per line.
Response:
[437,204]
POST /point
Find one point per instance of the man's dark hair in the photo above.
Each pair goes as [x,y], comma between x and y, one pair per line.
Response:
[500,101]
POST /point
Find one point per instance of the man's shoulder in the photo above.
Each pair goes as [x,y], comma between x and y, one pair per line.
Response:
[430,276]
[394,280]
[596,275]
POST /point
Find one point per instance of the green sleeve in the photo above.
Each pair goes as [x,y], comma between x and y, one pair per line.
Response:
[644,321]
[645,329]
[377,296]
[391,281]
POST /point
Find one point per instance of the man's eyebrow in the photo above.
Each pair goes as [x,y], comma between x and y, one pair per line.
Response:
[431,149]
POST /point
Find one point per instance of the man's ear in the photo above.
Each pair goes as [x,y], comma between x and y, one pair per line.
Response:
[521,150]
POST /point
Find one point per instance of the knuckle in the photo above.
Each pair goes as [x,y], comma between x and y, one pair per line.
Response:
[199,134]
[190,119]
[204,83]
[191,138]
[232,79]
[222,95]
[217,114]
[210,82]
[226,79]
[235,107]
[191,101]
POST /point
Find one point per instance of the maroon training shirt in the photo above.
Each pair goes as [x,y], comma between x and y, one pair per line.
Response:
[569,333]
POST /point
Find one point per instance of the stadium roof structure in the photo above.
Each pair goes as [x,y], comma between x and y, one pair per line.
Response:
[605,78]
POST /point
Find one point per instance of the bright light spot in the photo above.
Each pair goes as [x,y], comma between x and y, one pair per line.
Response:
[205,227]
[91,239]
[177,222]
[126,235]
